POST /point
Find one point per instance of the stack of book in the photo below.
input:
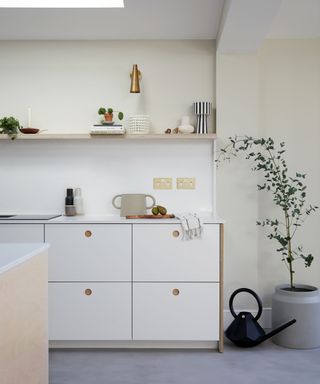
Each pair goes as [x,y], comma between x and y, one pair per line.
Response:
[114,129]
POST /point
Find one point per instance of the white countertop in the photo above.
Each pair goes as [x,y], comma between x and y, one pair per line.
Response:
[13,254]
[103,219]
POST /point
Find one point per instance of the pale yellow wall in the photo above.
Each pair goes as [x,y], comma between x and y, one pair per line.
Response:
[237,113]
[273,93]
[290,111]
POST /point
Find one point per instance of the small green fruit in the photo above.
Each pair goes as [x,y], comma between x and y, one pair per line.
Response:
[162,210]
[155,211]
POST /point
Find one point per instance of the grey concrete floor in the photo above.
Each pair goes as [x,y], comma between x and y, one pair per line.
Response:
[264,364]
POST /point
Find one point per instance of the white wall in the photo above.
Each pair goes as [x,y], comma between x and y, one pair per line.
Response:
[65,83]
[34,175]
[273,93]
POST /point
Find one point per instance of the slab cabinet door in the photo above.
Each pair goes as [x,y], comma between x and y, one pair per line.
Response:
[161,254]
[89,311]
[21,233]
[176,311]
[89,252]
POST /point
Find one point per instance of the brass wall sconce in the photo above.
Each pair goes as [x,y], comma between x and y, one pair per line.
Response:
[135,79]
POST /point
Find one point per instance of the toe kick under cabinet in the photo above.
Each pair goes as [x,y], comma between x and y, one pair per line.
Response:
[135,283]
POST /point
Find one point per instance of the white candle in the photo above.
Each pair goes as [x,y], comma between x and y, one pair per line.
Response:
[29,118]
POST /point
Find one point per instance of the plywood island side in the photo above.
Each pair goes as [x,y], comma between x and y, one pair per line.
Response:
[24,319]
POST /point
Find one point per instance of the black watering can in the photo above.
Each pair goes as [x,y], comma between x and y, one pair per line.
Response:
[245,330]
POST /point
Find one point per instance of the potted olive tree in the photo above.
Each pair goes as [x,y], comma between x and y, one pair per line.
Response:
[9,126]
[291,300]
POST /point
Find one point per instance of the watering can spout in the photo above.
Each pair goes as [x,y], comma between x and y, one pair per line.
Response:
[277,330]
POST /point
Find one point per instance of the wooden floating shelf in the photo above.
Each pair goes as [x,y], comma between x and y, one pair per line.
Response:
[87,136]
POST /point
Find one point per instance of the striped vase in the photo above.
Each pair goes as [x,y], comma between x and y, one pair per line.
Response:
[202,109]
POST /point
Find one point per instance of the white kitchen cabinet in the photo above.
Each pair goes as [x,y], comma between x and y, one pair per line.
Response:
[176,311]
[21,233]
[161,254]
[135,282]
[90,311]
[89,252]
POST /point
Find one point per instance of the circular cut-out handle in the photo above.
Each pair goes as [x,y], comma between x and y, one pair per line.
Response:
[175,292]
[175,233]
[248,290]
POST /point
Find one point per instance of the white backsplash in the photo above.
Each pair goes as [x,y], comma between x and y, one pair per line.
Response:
[35,174]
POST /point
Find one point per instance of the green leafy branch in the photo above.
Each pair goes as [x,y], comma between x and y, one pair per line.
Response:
[289,192]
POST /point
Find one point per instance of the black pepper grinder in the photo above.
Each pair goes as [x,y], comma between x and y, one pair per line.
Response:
[70,209]
[69,197]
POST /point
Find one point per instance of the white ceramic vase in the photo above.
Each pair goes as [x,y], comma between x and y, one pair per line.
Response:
[185,126]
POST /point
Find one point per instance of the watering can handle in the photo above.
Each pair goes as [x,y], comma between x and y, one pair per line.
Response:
[248,290]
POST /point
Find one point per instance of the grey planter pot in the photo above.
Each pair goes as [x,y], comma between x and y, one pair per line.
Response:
[304,306]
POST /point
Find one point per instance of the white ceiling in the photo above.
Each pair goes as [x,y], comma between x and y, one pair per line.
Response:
[140,19]
[297,19]
[240,24]
[245,24]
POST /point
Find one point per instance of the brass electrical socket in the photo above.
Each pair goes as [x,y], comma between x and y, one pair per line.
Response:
[162,183]
[186,183]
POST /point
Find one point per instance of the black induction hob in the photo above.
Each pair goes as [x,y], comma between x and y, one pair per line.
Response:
[29,217]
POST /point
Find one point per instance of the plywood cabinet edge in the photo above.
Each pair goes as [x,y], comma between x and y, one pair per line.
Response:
[221,295]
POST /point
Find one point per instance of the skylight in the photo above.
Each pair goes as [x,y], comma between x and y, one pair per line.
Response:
[61,3]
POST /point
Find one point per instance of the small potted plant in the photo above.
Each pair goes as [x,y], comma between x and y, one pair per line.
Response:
[107,114]
[9,126]
[293,300]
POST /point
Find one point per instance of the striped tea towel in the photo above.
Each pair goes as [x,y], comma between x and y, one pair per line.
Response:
[191,225]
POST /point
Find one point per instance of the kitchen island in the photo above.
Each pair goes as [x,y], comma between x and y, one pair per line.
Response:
[23,314]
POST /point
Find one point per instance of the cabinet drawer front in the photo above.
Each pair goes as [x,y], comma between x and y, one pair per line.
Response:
[176,311]
[21,233]
[89,311]
[160,254]
[85,252]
